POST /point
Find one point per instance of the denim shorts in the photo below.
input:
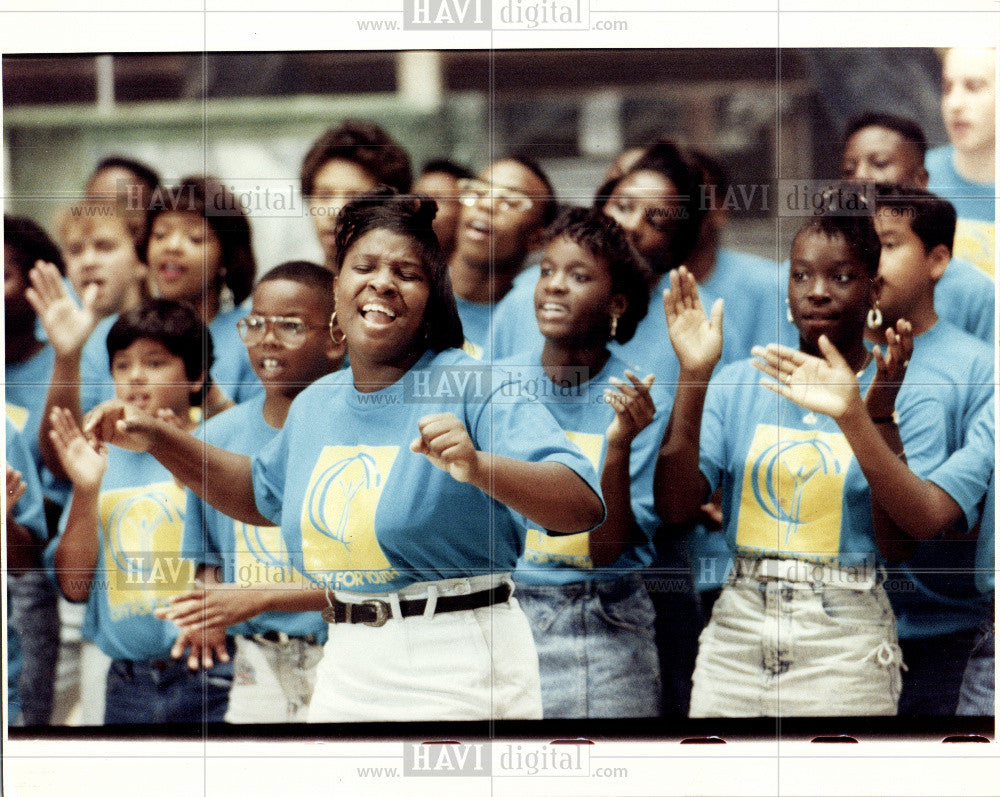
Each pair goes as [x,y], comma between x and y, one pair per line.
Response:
[824,645]
[596,647]
[272,681]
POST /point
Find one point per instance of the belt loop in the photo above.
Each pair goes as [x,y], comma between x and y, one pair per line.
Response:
[432,600]
[393,599]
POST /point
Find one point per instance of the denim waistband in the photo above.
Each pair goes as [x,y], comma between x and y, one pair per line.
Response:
[608,587]
[862,577]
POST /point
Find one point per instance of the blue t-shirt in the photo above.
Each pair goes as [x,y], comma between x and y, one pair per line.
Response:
[231,369]
[975,204]
[584,416]
[965,297]
[139,568]
[791,487]
[361,512]
[934,592]
[251,556]
[25,387]
[29,512]
[475,326]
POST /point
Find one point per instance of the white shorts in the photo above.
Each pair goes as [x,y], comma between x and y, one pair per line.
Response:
[272,681]
[778,646]
[466,665]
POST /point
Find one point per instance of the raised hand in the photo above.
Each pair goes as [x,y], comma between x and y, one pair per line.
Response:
[880,400]
[445,441]
[84,460]
[826,385]
[67,324]
[696,338]
[633,406]
[121,424]
[16,488]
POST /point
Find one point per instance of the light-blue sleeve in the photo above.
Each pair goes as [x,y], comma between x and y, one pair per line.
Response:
[966,474]
[269,468]
[29,510]
[520,427]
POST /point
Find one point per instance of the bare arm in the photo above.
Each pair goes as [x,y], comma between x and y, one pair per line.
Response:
[916,507]
[679,486]
[529,488]
[67,326]
[634,411]
[219,477]
[22,548]
[79,546]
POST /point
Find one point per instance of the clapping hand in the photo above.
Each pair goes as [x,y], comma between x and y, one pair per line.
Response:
[696,338]
[821,384]
[633,406]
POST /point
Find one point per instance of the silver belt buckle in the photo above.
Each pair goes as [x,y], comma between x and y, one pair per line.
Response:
[381,612]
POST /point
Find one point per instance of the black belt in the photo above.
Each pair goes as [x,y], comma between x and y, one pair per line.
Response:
[375,612]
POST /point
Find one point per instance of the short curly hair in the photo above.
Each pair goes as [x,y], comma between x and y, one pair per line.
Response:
[364,144]
[603,237]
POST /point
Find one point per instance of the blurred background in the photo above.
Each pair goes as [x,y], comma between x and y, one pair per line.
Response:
[250,117]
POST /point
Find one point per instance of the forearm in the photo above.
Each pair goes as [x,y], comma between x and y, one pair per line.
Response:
[918,508]
[220,478]
[79,547]
[679,488]
[608,540]
[548,493]
[64,391]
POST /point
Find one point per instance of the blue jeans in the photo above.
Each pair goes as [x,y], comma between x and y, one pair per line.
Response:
[978,685]
[596,647]
[164,690]
[34,613]
[933,679]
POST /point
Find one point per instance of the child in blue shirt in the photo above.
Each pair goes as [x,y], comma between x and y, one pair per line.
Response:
[287,336]
[592,289]
[937,604]
[119,547]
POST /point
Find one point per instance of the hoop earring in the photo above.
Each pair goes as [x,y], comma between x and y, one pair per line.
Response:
[874,319]
[333,326]
[614,325]
[788,312]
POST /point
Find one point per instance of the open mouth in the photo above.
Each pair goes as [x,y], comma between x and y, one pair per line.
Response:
[269,367]
[171,271]
[377,314]
[551,311]
[478,229]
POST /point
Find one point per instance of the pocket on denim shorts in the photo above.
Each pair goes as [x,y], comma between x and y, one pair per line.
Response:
[858,608]
[632,612]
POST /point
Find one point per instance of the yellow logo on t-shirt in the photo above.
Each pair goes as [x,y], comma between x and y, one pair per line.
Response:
[338,516]
[793,490]
[142,542]
[18,415]
[974,244]
[470,348]
[572,550]
[261,557]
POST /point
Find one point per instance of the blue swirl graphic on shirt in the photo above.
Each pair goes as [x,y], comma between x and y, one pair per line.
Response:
[132,525]
[319,496]
[258,548]
[818,457]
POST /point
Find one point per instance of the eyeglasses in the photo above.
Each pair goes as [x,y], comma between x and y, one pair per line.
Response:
[289,330]
[507,199]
